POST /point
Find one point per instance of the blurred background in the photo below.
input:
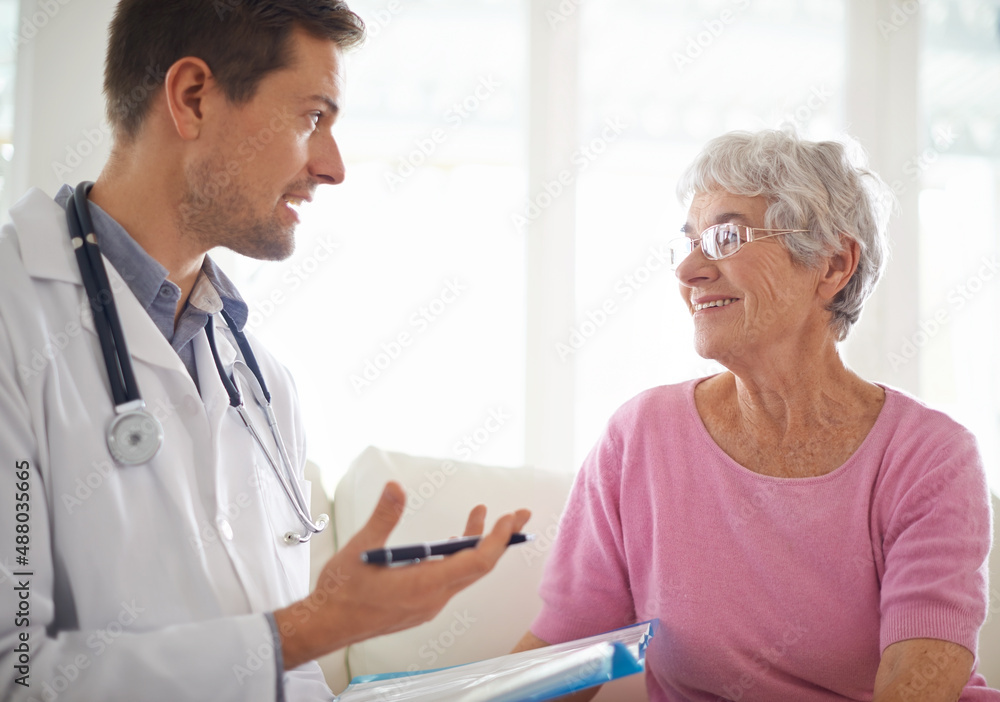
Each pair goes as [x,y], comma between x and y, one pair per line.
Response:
[487,284]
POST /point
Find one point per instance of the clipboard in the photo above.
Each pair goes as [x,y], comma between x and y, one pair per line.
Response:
[528,676]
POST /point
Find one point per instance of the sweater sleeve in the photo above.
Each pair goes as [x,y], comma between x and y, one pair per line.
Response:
[935,547]
[585,585]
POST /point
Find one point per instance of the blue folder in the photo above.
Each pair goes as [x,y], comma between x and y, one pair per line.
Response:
[529,676]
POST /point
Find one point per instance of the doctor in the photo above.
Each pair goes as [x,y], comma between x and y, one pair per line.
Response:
[162,556]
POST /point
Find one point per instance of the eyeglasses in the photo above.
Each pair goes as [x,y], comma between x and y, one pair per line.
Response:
[720,241]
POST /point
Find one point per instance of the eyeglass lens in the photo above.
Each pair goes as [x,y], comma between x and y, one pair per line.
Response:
[716,242]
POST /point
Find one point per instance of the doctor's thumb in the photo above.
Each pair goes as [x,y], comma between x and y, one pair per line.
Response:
[384,519]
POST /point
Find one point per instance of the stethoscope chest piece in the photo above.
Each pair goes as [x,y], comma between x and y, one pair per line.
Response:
[135,437]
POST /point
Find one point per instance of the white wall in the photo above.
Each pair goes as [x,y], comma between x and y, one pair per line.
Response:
[882,75]
[59,104]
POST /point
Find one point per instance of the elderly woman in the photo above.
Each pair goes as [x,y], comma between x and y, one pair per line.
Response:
[800,532]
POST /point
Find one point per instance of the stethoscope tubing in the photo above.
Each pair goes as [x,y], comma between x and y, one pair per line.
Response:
[283,473]
[125,389]
[95,281]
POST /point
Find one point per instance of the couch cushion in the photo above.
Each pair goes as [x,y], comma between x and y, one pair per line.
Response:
[989,635]
[321,549]
[488,618]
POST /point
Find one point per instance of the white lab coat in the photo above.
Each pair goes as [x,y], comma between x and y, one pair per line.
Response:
[149,582]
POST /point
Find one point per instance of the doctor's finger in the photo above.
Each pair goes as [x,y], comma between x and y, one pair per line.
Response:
[476,522]
[465,567]
[383,520]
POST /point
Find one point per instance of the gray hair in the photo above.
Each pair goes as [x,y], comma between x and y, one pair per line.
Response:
[824,187]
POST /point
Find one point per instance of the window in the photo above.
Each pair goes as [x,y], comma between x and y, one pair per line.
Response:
[10,29]
[674,75]
[401,314]
[418,312]
[958,169]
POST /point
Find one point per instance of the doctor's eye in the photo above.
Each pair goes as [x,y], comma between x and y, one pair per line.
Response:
[315,117]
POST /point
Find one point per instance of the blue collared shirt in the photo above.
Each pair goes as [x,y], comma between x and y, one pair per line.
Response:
[147,280]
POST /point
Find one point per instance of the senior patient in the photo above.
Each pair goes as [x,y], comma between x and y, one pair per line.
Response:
[801,533]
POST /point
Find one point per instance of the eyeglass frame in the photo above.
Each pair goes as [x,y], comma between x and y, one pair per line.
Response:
[750,236]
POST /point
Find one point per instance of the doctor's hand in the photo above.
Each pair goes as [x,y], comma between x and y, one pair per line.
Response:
[354,601]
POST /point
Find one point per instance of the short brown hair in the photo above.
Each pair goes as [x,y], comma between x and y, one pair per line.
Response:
[240,40]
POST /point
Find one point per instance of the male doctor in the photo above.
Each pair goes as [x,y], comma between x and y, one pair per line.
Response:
[130,582]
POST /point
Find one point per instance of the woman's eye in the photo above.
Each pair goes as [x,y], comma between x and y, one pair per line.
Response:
[315,117]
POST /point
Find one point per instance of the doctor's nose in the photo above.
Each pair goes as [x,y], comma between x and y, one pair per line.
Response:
[326,166]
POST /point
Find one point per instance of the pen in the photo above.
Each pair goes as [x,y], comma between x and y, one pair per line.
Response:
[415,552]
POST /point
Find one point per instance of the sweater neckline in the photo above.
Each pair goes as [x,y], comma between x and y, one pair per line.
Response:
[867,445]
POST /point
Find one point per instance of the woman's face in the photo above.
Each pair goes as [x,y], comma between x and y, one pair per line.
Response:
[763,299]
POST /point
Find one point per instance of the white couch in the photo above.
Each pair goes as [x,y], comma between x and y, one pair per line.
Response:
[487,619]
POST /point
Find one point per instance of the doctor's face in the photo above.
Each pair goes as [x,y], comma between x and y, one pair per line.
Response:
[266,156]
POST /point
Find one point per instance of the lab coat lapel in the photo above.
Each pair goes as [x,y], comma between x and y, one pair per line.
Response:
[43,237]
[214,395]
[213,392]
[144,339]
[232,476]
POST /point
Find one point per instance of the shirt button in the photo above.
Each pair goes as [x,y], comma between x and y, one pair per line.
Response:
[225,528]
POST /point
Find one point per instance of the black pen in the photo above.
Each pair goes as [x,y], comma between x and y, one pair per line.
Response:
[416,552]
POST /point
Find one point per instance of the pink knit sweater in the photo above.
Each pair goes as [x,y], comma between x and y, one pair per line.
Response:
[772,588]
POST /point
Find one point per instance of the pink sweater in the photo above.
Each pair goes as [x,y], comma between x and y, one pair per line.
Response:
[772,588]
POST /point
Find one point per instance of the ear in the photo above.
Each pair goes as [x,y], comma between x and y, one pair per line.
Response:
[839,268]
[187,85]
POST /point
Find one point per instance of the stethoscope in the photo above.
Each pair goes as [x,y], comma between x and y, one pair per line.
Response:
[135,436]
